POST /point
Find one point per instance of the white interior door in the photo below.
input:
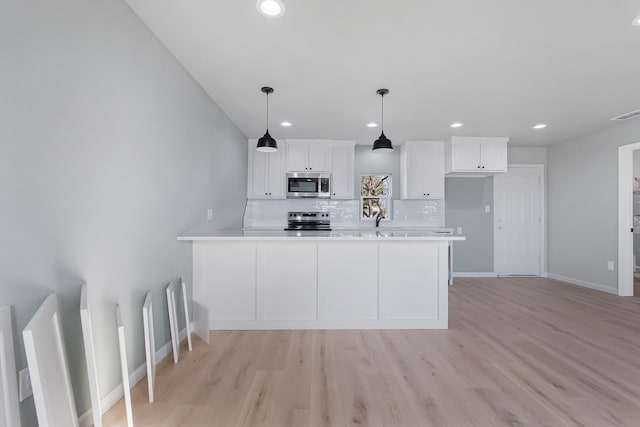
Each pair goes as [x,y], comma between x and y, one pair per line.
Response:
[9,409]
[48,367]
[518,221]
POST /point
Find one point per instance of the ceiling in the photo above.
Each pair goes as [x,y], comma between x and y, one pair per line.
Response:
[498,66]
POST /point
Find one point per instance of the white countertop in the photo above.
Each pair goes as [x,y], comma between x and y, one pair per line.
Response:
[359,234]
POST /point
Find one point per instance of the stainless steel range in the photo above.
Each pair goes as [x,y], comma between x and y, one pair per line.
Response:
[308,221]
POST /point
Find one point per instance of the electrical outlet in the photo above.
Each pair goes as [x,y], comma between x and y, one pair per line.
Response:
[487,208]
[209,214]
[25,389]
[459,230]
[610,265]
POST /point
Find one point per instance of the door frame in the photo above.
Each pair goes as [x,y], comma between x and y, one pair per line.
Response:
[625,218]
[543,222]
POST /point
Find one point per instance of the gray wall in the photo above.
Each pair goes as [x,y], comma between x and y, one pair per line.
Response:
[583,204]
[465,201]
[108,151]
[369,162]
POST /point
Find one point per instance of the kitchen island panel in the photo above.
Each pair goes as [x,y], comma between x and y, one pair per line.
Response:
[225,280]
[321,283]
[287,276]
[409,281]
[348,281]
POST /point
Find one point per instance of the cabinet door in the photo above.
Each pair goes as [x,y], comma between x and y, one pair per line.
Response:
[319,159]
[423,170]
[276,174]
[297,157]
[408,277]
[258,177]
[287,281]
[414,173]
[227,279]
[494,155]
[433,169]
[342,178]
[347,281]
[466,156]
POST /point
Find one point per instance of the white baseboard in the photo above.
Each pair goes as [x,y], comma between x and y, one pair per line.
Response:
[583,283]
[86,419]
[471,274]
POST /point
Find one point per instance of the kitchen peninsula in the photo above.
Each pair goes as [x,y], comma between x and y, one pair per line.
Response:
[341,279]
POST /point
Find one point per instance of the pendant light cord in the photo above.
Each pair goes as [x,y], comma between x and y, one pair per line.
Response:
[382,118]
[267,112]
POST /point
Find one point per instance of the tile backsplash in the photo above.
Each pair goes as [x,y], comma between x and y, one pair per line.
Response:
[418,213]
[273,213]
[344,213]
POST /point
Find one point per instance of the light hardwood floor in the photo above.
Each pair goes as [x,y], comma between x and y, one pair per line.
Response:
[519,352]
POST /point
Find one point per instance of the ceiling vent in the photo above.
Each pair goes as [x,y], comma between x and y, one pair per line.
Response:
[628,116]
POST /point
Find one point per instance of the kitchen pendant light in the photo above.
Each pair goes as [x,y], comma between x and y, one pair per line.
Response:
[382,144]
[267,144]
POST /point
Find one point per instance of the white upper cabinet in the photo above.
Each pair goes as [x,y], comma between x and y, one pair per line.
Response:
[266,173]
[422,170]
[475,156]
[308,155]
[342,175]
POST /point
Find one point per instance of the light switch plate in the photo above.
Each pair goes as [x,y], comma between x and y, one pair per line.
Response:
[487,208]
[24,387]
[209,214]
[610,265]
[459,230]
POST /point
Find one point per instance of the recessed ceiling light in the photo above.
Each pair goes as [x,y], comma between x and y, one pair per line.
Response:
[372,125]
[636,21]
[540,126]
[270,8]
[285,124]
[456,125]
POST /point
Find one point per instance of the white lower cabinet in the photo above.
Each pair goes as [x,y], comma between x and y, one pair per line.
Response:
[408,281]
[287,281]
[227,280]
[347,281]
[322,284]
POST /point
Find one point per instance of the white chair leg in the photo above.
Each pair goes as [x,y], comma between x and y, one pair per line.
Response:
[124,367]
[187,319]
[149,344]
[173,322]
[9,406]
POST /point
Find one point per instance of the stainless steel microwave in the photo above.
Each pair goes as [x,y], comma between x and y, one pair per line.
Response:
[308,185]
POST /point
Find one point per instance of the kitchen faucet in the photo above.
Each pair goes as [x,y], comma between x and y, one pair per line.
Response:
[379,218]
